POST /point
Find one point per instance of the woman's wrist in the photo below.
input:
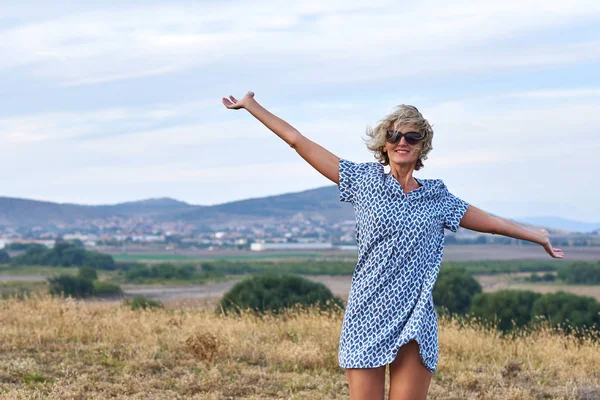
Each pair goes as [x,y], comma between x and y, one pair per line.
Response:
[251,104]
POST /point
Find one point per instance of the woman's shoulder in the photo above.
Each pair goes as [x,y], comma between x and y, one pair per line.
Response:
[361,167]
[434,187]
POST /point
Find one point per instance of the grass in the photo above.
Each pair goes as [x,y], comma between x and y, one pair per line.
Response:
[16,288]
[244,257]
[36,270]
[62,349]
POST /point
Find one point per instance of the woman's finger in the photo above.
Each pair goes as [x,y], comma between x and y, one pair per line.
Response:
[234,99]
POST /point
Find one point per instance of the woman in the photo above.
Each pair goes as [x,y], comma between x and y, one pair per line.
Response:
[400,221]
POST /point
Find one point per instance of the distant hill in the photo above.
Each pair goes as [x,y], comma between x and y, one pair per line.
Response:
[23,212]
[318,203]
[322,203]
[562,223]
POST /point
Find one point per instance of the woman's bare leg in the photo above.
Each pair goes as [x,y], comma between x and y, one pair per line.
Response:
[409,379]
[366,383]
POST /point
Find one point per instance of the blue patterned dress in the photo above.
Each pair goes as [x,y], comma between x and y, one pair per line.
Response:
[400,243]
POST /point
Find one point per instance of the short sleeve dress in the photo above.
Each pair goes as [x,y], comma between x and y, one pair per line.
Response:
[400,244]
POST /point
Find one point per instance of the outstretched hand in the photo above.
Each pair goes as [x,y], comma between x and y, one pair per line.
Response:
[233,104]
[553,252]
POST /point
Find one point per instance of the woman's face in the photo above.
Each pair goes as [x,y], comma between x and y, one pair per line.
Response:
[402,153]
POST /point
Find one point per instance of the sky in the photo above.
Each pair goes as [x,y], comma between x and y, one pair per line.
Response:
[111,101]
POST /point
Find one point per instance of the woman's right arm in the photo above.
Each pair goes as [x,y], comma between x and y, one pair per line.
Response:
[320,158]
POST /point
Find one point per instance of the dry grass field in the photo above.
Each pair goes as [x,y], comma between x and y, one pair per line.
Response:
[64,349]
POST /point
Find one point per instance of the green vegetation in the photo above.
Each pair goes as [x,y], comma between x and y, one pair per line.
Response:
[65,255]
[88,273]
[70,286]
[105,289]
[24,246]
[151,257]
[142,303]
[171,272]
[568,310]
[35,270]
[82,285]
[506,309]
[454,289]
[276,293]
[547,277]
[21,289]
[506,267]
[4,257]
[581,273]
[512,309]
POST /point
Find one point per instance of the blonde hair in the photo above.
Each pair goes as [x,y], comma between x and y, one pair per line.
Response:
[402,115]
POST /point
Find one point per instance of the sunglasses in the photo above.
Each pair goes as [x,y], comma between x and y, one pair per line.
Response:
[411,138]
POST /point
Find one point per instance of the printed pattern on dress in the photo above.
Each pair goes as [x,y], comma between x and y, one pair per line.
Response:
[400,246]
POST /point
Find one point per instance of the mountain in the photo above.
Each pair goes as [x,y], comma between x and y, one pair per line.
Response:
[562,223]
[321,202]
[24,212]
[147,208]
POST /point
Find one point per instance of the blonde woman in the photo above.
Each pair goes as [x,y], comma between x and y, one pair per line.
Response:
[400,222]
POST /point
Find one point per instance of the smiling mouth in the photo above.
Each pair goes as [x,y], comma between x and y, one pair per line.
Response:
[402,151]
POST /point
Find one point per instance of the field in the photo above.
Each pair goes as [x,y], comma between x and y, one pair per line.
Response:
[451,253]
[63,349]
[339,285]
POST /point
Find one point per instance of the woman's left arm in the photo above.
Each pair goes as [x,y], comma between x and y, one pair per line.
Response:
[480,221]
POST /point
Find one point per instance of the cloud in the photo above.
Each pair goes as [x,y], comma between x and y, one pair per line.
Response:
[506,85]
[342,41]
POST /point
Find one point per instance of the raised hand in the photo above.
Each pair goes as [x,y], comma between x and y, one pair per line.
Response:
[233,104]
[554,253]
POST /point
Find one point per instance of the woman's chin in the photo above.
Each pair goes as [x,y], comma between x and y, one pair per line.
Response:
[399,159]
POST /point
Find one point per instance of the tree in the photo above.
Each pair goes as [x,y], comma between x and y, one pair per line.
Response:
[4,257]
[88,273]
[581,272]
[66,255]
[70,286]
[505,307]
[275,293]
[454,289]
[568,310]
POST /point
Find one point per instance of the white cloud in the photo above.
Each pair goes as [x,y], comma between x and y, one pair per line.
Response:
[525,141]
[357,39]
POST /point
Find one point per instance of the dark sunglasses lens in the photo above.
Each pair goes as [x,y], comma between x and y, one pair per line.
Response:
[393,136]
[413,138]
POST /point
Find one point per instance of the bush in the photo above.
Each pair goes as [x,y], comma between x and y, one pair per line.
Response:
[547,277]
[568,310]
[24,246]
[144,303]
[104,289]
[167,271]
[454,290]
[65,255]
[4,257]
[275,293]
[506,308]
[581,272]
[88,273]
[70,286]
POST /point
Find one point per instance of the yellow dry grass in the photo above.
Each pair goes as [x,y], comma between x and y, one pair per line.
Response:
[64,349]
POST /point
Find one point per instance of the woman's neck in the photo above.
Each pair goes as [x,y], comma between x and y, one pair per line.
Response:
[404,175]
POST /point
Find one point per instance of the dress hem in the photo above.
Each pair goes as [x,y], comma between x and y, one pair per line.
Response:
[391,359]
